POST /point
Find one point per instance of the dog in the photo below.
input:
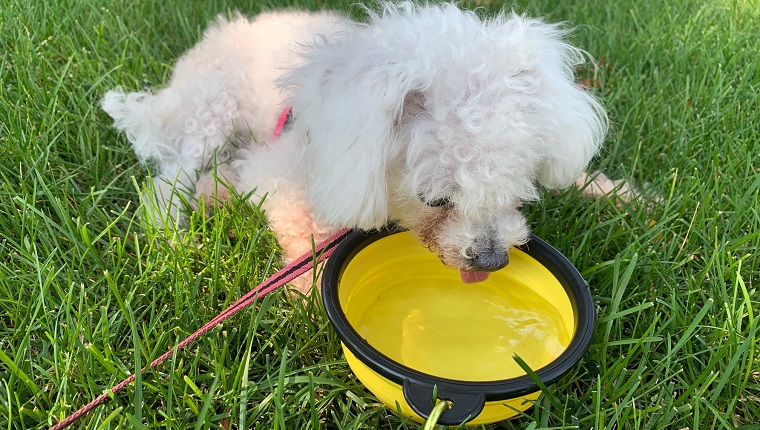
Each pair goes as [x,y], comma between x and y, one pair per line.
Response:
[425,115]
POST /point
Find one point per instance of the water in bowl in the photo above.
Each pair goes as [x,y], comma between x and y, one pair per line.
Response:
[419,313]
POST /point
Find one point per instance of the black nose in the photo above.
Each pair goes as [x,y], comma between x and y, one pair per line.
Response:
[490,261]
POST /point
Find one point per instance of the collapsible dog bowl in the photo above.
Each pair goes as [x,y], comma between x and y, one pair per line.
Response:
[411,328]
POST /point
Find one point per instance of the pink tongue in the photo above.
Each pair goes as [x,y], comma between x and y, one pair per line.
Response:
[470,276]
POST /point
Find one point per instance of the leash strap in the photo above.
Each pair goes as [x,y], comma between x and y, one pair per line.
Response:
[282,277]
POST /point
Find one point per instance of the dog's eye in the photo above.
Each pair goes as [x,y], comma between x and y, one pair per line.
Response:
[444,201]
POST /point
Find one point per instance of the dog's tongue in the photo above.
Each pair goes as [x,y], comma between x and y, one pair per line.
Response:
[470,276]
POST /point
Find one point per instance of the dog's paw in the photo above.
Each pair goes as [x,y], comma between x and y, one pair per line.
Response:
[213,189]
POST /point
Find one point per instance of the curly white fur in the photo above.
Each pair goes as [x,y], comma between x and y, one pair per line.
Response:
[423,103]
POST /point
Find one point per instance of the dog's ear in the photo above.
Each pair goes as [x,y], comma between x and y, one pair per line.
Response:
[346,103]
[575,123]
[578,120]
[581,125]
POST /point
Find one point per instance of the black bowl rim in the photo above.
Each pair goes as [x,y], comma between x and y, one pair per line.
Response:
[568,276]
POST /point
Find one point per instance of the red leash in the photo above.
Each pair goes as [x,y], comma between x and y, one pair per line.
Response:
[283,276]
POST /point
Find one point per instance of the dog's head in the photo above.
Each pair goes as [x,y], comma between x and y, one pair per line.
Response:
[443,123]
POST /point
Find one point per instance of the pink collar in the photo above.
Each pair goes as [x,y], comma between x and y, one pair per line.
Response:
[285,118]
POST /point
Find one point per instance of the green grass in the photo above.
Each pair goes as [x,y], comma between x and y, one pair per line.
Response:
[87,294]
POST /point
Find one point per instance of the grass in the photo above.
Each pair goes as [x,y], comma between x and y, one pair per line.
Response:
[87,294]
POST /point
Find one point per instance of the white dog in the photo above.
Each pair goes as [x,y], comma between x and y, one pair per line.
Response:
[427,116]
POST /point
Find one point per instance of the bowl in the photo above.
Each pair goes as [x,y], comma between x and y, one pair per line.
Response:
[413,331]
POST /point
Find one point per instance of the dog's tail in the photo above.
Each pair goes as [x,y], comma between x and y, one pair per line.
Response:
[148,120]
[139,115]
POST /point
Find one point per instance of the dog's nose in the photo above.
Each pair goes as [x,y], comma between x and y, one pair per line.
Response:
[490,261]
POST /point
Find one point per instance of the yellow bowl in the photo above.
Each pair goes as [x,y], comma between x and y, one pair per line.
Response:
[411,328]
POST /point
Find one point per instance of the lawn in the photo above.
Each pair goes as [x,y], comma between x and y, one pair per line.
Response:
[88,294]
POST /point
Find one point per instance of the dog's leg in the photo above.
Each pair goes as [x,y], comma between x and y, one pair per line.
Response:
[292,221]
[214,188]
[290,218]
